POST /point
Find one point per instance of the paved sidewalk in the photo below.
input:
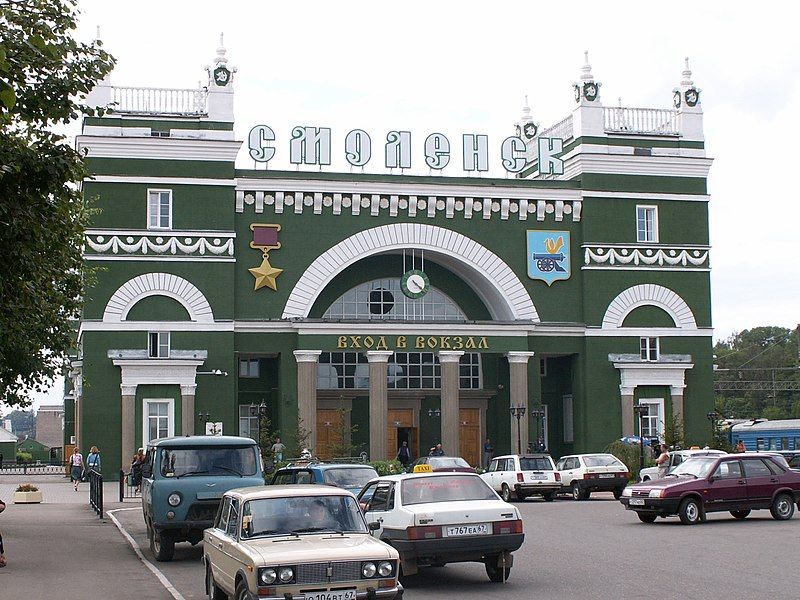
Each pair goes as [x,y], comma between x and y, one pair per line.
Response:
[62,549]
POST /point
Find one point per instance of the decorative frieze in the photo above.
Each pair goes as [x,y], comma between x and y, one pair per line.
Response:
[658,257]
[396,205]
[158,245]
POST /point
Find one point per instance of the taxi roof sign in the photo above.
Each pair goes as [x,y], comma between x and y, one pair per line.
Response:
[423,469]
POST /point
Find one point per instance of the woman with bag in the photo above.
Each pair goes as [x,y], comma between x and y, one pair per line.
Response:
[76,467]
[93,459]
[2,550]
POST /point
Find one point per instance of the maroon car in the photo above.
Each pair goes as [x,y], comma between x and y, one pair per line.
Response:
[737,483]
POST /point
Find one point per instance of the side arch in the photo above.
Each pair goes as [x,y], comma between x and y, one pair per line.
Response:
[152,284]
[492,279]
[649,294]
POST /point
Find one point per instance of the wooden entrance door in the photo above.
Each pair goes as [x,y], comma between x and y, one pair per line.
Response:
[470,435]
[400,418]
[330,425]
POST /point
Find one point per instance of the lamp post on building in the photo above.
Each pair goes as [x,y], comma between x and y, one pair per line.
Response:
[642,410]
[713,416]
[538,413]
[518,412]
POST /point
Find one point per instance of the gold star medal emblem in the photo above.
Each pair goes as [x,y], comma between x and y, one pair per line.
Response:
[265,238]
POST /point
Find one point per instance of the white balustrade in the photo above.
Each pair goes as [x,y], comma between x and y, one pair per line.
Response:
[171,101]
[657,121]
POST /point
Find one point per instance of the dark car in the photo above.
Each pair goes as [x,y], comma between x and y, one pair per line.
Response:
[737,483]
[443,463]
[351,477]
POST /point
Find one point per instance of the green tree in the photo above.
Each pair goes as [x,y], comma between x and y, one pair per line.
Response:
[44,73]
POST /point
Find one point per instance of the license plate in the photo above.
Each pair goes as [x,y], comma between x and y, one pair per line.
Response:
[538,476]
[461,530]
[335,595]
[606,475]
[636,502]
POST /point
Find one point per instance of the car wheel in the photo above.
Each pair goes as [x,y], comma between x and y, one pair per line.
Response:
[740,514]
[496,574]
[162,546]
[646,517]
[576,491]
[690,511]
[213,592]
[506,494]
[618,493]
[242,593]
[782,507]
[549,496]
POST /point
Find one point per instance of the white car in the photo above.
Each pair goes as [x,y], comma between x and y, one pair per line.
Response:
[676,457]
[582,474]
[433,519]
[515,477]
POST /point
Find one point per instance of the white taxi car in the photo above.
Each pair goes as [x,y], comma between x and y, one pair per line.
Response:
[296,541]
[437,518]
[515,477]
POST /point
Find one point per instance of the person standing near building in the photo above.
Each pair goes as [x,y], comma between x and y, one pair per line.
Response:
[740,447]
[404,454]
[277,449]
[437,450]
[93,459]
[488,453]
[663,461]
[76,467]
[2,550]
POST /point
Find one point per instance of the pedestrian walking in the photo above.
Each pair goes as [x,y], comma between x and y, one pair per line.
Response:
[2,550]
[663,461]
[93,459]
[488,453]
[404,454]
[76,467]
[136,470]
[277,449]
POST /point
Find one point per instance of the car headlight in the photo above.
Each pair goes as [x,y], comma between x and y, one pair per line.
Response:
[174,499]
[368,570]
[385,568]
[285,574]
[267,576]
[627,492]
[656,494]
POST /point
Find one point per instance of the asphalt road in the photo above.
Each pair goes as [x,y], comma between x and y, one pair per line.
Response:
[594,549]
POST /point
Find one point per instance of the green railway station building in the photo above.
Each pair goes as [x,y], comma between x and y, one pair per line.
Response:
[389,307]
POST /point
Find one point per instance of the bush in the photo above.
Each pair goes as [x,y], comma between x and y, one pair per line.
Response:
[27,487]
[630,454]
[388,467]
[24,457]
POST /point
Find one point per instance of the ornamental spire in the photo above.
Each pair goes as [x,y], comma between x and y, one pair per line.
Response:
[687,74]
[220,58]
[586,70]
[526,112]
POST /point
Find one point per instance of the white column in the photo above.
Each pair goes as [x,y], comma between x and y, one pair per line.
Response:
[378,404]
[307,392]
[518,374]
[451,423]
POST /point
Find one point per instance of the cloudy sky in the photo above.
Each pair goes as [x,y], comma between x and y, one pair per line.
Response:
[465,67]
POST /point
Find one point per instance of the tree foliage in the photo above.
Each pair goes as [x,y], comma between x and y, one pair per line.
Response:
[762,355]
[44,73]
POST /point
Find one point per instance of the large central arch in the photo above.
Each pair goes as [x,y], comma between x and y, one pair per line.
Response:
[492,279]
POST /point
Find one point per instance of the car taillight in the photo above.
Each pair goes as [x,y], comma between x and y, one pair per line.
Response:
[626,475]
[428,532]
[587,475]
[506,527]
[558,476]
[520,477]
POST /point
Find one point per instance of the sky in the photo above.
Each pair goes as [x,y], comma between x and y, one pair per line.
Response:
[465,67]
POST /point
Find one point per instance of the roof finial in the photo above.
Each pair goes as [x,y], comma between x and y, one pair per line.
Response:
[587,68]
[687,74]
[97,35]
[526,112]
[220,59]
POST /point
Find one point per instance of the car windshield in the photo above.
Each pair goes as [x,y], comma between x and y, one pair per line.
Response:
[223,461]
[602,460]
[446,462]
[449,488]
[535,464]
[698,466]
[349,477]
[300,515]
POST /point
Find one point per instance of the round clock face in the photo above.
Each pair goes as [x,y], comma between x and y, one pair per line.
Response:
[415,283]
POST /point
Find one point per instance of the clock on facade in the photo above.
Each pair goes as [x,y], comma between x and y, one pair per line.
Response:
[415,283]
[676,99]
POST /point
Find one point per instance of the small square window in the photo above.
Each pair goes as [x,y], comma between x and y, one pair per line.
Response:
[647,224]
[249,367]
[158,344]
[159,209]
[648,348]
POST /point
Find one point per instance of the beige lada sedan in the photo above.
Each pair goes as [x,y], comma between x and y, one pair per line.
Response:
[296,541]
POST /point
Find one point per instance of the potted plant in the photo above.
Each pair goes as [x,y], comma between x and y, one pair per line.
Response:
[27,494]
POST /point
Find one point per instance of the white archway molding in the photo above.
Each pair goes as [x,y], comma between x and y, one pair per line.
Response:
[158,284]
[649,294]
[489,276]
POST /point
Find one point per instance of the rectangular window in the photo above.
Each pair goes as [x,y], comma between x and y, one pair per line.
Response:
[248,420]
[648,348]
[646,224]
[159,209]
[158,344]
[249,367]
[543,367]
[653,423]
[158,420]
[566,403]
[760,444]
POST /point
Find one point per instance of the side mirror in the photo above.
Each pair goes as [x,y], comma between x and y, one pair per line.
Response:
[712,479]
[374,526]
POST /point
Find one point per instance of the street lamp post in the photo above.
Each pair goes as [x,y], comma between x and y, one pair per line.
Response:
[260,411]
[538,413]
[518,412]
[204,418]
[713,416]
[641,410]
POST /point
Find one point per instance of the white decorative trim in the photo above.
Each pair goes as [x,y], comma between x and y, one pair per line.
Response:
[649,294]
[492,279]
[632,375]
[307,356]
[170,402]
[660,166]
[449,356]
[636,332]
[379,356]
[188,389]
[158,148]
[128,389]
[156,371]
[198,245]
[645,196]
[519,357]
[158,284]
[159,180]
[644,256]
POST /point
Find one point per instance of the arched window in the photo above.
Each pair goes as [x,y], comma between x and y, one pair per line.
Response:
[382,299]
